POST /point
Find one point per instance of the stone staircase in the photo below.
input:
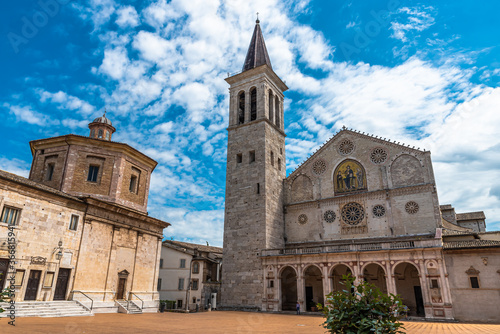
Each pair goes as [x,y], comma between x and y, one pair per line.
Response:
[131,308]
[47,309]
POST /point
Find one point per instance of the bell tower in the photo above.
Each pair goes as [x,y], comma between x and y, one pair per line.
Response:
[253,218]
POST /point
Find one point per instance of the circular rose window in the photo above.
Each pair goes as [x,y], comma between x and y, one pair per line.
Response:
[329,216]
[302,219]
[353,213]
[319,167]
[411,207]
[378,156]
[378,211]
[346,147]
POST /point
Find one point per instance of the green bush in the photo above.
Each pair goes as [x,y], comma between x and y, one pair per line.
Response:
[361,308]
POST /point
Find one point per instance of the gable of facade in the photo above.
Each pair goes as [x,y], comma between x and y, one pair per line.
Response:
[358,186]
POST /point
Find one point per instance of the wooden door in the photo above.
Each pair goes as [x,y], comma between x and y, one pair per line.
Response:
[62,284]
[4,265]
[32,287]
[121,288]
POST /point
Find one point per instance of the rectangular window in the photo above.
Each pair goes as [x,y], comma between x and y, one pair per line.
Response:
[133,184]
[239,158]
[158,287]
[272,158]
[434,284]
[183,263]
[181,284]
[50,172]
[93,172]
[194,284]
[179,303]
[258,188]
[279,164]
[19,277]
[196,268]
[271,284]
[10,215]
[73,224]
[194,300]
[252,157]
[474,282]
[161,263]
[49,279]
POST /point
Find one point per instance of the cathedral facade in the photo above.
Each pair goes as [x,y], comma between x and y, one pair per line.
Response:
[360,205]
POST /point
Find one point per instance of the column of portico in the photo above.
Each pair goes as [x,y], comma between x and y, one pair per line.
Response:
[300,288]
[389,278]
[357,273]
[326,280]
[425,287]
[443,283]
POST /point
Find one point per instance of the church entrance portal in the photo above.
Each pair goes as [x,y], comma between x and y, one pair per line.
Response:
[408,287]
[62,284]
[288,289]
[313,287]
[337,273]
[375,274]
[32,287]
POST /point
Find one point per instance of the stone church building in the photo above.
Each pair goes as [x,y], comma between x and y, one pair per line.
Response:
[360,205]
[81,225]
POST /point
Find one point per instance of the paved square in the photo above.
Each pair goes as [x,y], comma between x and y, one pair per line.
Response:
[208,323]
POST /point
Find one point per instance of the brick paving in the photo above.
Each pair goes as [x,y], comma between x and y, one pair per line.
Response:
[210,322]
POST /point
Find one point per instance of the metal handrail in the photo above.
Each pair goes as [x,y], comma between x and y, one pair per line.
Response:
[142,301]
[91,300]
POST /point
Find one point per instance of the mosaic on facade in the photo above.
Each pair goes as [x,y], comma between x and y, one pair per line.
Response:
[349,176]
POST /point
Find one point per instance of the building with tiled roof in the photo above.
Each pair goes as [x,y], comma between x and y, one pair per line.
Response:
[82,231]
[190,275]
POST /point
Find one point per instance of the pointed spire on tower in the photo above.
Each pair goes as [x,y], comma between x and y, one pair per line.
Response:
[257,52]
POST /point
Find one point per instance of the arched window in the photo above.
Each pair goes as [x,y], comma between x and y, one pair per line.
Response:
[253,104]
[107,135]
[241,108]
[270,105]
[99,133]
[92,133]
[277,111]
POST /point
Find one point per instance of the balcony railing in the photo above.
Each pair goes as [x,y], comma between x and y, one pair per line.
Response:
[362,247]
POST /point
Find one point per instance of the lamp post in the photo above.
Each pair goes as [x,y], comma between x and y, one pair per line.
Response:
[59,251]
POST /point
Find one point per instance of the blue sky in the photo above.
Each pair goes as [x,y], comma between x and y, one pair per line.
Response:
[423,73]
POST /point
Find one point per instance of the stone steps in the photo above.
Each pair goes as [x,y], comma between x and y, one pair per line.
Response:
[47,309]
[132,307]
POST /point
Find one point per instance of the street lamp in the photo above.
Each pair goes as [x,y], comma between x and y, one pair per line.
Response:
[59,251]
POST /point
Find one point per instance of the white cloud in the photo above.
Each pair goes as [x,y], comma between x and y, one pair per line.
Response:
[15,166]
[67,102]
[416,20]
[28,115]
[115,63]
[127,17]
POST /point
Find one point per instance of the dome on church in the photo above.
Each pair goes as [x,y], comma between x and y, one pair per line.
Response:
[102,119]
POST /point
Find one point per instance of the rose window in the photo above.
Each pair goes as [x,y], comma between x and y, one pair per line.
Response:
[353,213]
[346,147]
[302,219]
[411,207]
[378,156]
[329,216]
[319,167]
[378,211]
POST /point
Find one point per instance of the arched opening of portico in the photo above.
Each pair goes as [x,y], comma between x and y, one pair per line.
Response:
[336,277]
[313,283]
[375,274]
[288,289]
[408,287]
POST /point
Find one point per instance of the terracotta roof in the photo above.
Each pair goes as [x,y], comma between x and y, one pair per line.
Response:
[450,226]
[27,182]
[476,243]
[471,215]
[190,246]
[257,52]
